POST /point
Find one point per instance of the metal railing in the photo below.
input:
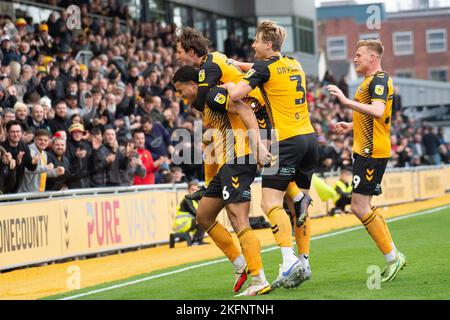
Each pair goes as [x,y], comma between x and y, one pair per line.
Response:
[156,187]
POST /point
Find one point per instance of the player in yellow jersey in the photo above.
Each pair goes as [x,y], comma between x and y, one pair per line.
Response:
[371,126]
[281,80]
[230,187]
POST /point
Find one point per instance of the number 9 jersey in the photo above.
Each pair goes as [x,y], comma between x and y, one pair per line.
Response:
[282,82]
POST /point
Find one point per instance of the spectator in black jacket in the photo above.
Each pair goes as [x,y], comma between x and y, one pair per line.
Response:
[7,169]
[431,142]
[100,159]
[9,53]
[78,153]
[58,158]
[20,153]
[116,160]
[60,121]
[54,86]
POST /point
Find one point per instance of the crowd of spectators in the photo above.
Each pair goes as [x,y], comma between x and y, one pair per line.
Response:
[112,121]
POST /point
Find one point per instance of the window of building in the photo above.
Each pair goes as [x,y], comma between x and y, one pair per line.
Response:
[436,40]
[368,36]
[304,35]
[221,33]
[337,48]
[403,43]
[438,74]
[404,73]
[181,16]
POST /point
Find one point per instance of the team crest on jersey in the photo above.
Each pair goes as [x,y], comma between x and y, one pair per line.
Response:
[220,98]
[250,73]
[379,89]
[201,76]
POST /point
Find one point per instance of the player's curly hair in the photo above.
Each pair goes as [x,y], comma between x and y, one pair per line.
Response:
[271,31]
[192,39]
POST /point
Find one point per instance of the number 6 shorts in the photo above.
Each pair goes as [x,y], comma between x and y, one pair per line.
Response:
[232,182]
[367,175]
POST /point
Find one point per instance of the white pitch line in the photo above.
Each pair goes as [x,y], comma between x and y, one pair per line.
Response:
[327,235]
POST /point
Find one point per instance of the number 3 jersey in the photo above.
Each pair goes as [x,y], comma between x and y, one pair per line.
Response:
[372,137]
[283,86]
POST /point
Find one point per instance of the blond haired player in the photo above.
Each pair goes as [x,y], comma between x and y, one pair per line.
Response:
[371,126]
[282,82]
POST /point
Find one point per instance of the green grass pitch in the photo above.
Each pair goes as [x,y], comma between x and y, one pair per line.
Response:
[339,264]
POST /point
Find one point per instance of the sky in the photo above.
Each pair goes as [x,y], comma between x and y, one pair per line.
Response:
[395,5]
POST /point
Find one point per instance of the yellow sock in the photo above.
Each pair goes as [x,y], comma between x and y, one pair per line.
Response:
[222,238]
[375,226]
[251,249]
[386,229]
[281,226]
[292,190]
[303,236]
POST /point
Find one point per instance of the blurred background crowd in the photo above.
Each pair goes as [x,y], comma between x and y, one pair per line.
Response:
[112,121]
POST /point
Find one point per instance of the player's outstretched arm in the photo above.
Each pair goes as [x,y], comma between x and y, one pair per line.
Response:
[239,91]
[244,66]
[376,109]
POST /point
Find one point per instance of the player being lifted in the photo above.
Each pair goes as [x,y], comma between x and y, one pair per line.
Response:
[371,147]
[230,187]
[281,80]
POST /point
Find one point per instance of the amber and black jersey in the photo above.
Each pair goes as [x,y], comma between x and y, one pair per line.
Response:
[282,82]
[216,69]
[228,132]
[372,137]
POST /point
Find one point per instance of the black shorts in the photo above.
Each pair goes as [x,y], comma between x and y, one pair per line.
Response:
[232,182]
[295,160]
[367,175]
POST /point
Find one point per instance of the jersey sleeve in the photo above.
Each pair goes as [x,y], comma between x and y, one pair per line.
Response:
[379,88]
[208,76]
[217,99]
[258,74]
